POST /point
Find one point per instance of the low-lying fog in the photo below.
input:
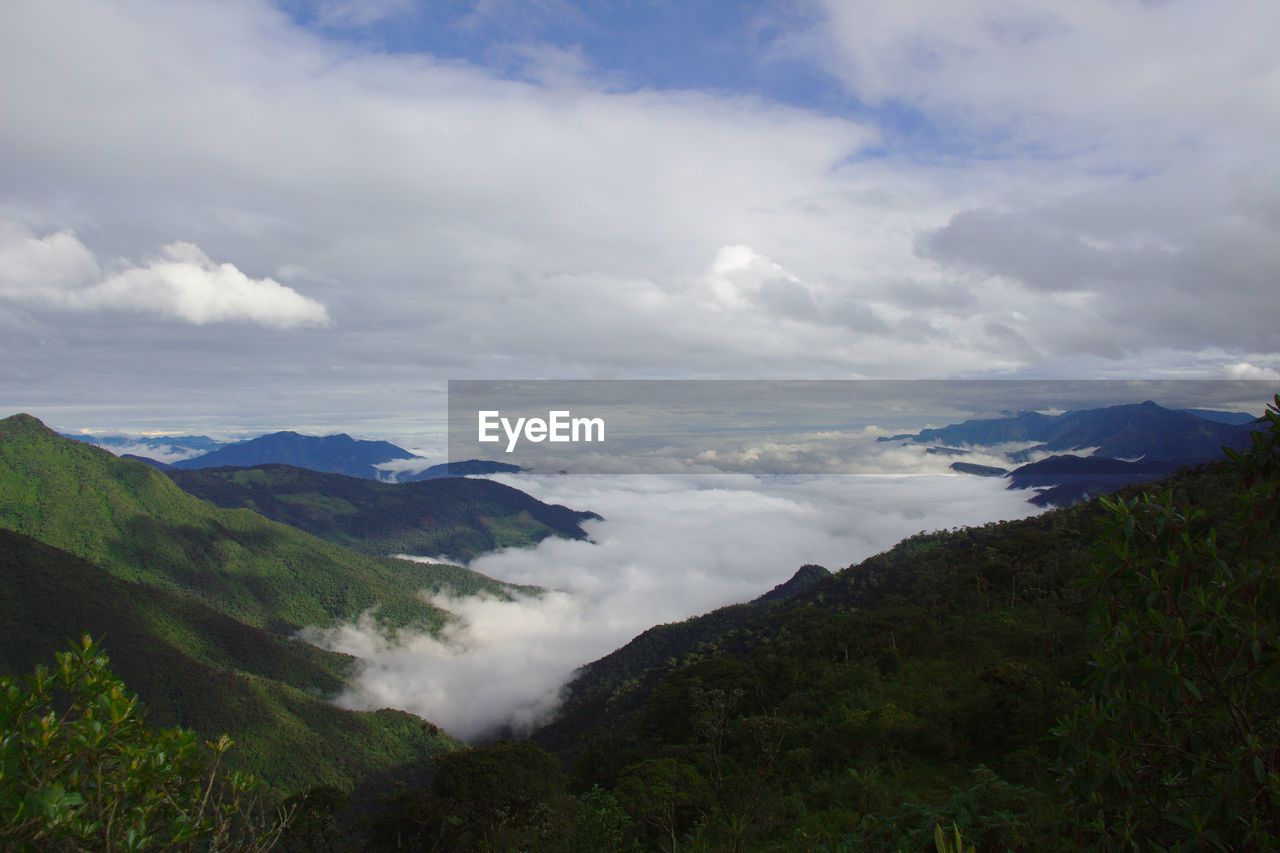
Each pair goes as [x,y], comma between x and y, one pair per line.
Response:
[669,547]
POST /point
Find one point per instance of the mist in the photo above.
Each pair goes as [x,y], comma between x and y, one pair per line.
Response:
[669,547]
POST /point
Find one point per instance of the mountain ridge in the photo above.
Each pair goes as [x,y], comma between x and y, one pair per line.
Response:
[338,453]
[454,517]
[134,521]
[1126,431]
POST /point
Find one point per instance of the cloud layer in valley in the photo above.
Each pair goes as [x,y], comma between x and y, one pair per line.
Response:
[669,548]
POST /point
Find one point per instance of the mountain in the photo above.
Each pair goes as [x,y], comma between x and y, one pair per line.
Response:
[333,454]
[913,689]
[162,448]
[1222,417]
[984,432]
[197,668]
[147,460]
[1064,480]
[1121,432]
[468,467]
[197,606]
[978,470]
[805,577]
[453,517]
[135,522]
[1161,440]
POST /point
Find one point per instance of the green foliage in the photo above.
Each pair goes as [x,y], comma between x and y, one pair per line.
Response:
[991,813]
[661,792]
[953,843]
[1177,745]
[505,796]
[313,824]
[603,825]
[206,672]
[80,768]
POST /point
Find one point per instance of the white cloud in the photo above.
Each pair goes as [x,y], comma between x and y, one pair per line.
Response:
[669,548]
[1145,83]
[32,268]
[1245,370]
[59,272]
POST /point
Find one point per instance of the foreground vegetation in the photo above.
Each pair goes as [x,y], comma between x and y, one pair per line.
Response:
[81,769]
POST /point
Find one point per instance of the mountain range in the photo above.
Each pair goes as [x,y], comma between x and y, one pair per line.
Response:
[452,517]
[1137,430]
[333,454]
[1114,446]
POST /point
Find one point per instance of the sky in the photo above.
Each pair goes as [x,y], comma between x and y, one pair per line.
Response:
[241,216]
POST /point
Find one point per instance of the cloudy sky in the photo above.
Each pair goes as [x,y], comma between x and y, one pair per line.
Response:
[309,214]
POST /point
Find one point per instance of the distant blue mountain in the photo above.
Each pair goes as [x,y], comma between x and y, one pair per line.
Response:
[161,448]
[1132,431]
[329,454]
[1125,444]
[460,469]
[1223,417]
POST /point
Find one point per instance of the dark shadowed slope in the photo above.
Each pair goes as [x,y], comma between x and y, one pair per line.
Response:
[454,517]
[205,671]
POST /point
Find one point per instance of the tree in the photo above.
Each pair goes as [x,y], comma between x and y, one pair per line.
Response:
[504,796]
[1178,745]
[79,768]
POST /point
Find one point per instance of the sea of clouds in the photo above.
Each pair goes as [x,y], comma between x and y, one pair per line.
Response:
[669,547]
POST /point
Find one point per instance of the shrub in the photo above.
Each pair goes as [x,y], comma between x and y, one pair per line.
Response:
[79,768]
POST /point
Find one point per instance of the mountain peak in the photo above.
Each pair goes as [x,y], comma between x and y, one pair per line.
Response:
[332,454]
[23,421]
[805,577]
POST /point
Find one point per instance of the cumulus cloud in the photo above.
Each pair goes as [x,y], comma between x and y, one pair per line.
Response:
[1245,370]
[670,548]
[58,271]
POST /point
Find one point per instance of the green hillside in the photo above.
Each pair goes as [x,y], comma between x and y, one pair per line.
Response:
[135,522]
[453,517]
[202,670]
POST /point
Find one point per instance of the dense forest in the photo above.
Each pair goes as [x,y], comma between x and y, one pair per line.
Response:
[1105,676]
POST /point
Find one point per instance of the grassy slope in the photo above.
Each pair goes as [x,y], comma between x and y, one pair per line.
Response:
[200,669]
[136,523]
[455,517]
